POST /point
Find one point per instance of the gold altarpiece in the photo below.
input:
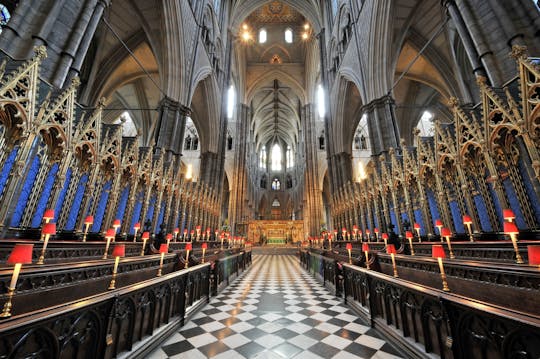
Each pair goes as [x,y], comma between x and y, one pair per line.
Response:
[274,231]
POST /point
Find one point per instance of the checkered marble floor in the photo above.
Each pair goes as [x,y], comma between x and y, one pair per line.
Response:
[275,310]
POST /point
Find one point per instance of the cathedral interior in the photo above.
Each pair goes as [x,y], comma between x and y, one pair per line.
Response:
[270,179]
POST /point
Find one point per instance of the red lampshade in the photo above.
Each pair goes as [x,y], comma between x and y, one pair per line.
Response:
[355,227]
[192,232]
[385,236]
[335,232]
[117,223]
[376,230]
[188,246]
[168,236]
[176,230]
[417,226]
[111,233]
[164,248]
[204,245]
[146,235]
[49,228]
[49,214]
[207,230]
[185,232]
[21,253]
[510,228]
[467,219]
[408,234]
[349,246]
[198,228]
[534,255]
[390,249]
[119,250]
[445,232]
[438,223]
[437,251]
[365,247]
[367,232]
[508,214]
[89,220]
[137,226]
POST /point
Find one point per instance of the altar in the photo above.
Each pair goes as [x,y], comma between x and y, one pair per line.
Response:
[275,232]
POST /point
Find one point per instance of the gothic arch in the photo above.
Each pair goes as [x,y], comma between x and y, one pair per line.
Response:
[347,109]
[205,104]
[269,76]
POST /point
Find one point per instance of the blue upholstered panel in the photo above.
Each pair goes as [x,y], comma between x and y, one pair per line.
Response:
[25,193]
[456,217]
[44,198]
[137,212]
[74,211]
[122,203]
[151,206]
[102,205]
[496,203]
[160,217]
[482,214]
[514,203]
[62,196]
[433,205]
[418,219]
[393,220]
[534,200]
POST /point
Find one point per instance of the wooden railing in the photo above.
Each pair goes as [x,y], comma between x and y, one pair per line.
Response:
[132,318]
[228,268]
[427,322]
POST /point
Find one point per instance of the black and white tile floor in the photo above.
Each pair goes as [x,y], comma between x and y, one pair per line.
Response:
[275,310]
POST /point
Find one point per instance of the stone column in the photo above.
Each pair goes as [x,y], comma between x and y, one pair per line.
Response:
[382,125]
[239,184]
[313,194]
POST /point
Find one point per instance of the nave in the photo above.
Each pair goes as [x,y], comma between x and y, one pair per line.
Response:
[275,309]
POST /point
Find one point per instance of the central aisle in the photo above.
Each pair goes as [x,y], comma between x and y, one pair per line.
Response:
[275,310]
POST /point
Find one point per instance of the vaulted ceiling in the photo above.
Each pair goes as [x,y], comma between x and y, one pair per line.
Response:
[274,101]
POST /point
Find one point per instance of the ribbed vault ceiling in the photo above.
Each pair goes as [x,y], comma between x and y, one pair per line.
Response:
[275,114]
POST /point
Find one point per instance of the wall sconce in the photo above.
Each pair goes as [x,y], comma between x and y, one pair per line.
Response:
[88,221]
[119,250]
[534,255]
[391,249]
[385,239]
[437,251]
[163,248]
[136,228]
[511,230]
[447,234]
[116,224]
[48,215]
[109,236]
[49,229]
[417,229]
[439,225]
[204,246]
[467,220]
[188,248]
[365,249]
[508,215]
[145,236]
[409,236]
[21,254]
